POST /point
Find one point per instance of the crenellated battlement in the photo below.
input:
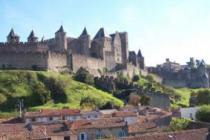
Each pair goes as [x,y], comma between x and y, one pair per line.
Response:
[44,53]
[22,44]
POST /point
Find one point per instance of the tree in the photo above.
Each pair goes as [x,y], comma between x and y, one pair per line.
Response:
[136,78]
[203,113]
[178,124]
[146,100]
[134,99]
[57,88]
[90,103]
[2,98]
[151,78]
[203,97]
[110,105]
[40,93]
[85,77]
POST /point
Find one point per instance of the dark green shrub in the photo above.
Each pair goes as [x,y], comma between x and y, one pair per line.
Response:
[2,98]
[136,78]
[85,78]
[203,114]
[146,100]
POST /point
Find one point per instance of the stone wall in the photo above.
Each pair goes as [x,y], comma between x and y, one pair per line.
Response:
[110,61]
[175,83]
[20,47]
[76,61]
[159,100]
[23,60]
[57,61]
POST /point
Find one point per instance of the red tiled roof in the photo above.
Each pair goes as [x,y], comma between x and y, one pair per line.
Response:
[56,129]
[53,112]
[136,128]
[197,134]
[124,114]
[141,119]
[151,118]
[21,131]
[99,123]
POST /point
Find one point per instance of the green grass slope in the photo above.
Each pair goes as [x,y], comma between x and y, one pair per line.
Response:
[19,84]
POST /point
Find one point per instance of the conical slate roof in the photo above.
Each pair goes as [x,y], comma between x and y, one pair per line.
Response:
[61,30]
[101,34]
[139,53]
[131,53]
[202,64]
[43,39]
[112,36]
[32,35]
[12,33]
[84,32]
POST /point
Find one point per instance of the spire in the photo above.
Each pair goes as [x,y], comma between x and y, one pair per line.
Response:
[102,33]
[12,33]
[139,53]
[60,30]
[43,39]
[32,34]
[84,32]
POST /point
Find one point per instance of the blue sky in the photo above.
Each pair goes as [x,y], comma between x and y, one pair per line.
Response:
[175,29]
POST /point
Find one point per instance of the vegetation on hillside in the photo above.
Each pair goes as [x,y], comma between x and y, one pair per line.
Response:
[203,114]
[46,90]
[178,125]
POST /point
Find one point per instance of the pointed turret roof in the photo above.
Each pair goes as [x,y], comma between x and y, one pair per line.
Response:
[32,34]
[61,30]
[132,53]
[112,36]
[139,53]
[202,64]
[84,32]
[102,33]
[12,33]
[43,39]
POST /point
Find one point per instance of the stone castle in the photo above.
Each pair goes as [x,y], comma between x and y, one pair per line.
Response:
[193,75]
[105,54]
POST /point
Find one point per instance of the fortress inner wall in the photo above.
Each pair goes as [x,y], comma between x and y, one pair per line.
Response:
[57,61]
[23,60]
[78,61]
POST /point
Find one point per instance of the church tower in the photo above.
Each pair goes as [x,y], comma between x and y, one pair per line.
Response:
[32,37]
[85,42]
[12,37]
[60,39]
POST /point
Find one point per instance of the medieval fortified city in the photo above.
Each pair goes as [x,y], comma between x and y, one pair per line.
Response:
[84,83]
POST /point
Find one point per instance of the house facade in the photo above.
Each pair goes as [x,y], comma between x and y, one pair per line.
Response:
[48,115]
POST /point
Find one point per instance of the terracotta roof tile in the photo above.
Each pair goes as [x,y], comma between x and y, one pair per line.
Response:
[99,123]
[135,128]
[124,114]
[53,112]
[198,134]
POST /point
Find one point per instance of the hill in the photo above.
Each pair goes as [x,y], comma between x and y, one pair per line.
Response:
[46,90]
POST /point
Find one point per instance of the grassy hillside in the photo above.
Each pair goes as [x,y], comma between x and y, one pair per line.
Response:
[18,84]
[184,93]
[185,96]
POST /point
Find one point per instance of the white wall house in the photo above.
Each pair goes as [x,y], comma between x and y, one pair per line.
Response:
[189,112]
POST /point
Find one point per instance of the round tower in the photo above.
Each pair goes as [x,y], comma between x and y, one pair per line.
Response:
[32,37]
[12,37]
[85,42]
[60,39]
